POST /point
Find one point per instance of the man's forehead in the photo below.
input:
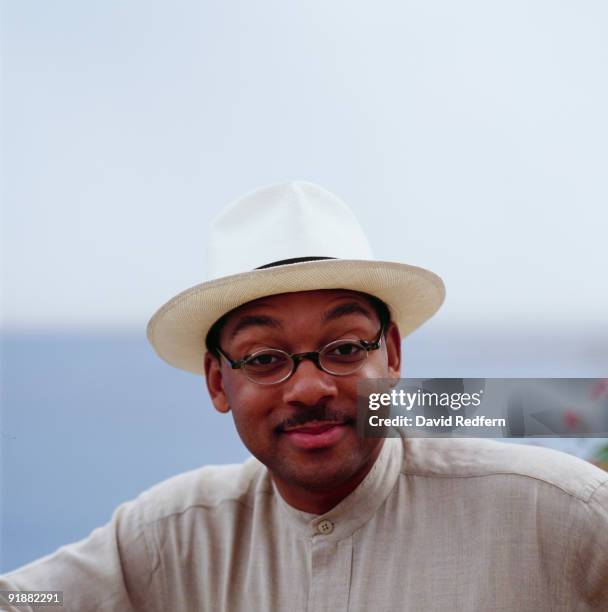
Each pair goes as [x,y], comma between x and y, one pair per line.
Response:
[282,310]
[276,311]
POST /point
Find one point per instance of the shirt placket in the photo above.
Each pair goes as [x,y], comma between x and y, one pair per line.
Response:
[331,561]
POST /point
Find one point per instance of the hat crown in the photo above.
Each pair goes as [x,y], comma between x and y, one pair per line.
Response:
[281,222]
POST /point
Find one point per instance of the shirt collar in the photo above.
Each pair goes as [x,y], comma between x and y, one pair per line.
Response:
[357,507]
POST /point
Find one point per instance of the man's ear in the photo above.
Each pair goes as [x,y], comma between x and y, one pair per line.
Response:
[215,382]
[393,351]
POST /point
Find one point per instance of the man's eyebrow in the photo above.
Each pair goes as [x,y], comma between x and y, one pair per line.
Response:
[255,320]
[346,309]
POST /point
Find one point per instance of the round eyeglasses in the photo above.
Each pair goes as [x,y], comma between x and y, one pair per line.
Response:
[270,366]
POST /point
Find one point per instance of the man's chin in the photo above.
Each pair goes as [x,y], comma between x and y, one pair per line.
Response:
[317,471]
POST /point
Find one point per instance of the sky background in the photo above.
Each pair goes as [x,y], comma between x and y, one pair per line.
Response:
[470,138]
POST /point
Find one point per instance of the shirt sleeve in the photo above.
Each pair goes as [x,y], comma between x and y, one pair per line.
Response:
[592,560]
[112,569]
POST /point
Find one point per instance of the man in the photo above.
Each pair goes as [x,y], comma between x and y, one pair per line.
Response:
[296,314]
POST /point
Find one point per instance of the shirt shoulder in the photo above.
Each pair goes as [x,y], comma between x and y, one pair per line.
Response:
[206,487]
[477,458]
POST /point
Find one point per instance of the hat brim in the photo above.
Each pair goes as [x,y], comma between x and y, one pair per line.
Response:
[178,329]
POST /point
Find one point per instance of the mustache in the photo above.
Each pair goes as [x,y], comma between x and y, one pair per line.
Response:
[317,414]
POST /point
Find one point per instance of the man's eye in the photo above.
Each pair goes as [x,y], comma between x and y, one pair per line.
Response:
[346,350]
[264,359]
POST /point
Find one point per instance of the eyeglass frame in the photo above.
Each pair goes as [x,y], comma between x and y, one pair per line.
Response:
[297,358]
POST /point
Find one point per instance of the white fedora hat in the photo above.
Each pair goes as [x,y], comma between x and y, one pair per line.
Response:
[282,238]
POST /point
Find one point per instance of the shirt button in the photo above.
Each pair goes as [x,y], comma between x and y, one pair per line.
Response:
[325,527]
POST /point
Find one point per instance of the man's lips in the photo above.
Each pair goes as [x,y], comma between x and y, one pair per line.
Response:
[314,427]
[316,435]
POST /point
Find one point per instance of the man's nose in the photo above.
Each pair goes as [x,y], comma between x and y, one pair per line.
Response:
[309,385]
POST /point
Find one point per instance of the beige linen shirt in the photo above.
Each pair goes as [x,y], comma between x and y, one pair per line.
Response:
[437,524]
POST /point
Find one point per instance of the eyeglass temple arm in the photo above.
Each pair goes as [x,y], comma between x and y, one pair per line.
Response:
[370,346]
[235,365]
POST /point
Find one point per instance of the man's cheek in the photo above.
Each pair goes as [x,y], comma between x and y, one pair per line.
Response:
[375,369]
[238,395]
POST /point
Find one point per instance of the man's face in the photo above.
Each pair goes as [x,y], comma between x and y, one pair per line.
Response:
[303,429]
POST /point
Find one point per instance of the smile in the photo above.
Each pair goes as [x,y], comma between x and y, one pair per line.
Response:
[316,435]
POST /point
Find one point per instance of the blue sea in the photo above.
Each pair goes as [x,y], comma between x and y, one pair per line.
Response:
[90,420]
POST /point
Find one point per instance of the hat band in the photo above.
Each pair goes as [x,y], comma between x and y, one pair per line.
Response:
[284,262]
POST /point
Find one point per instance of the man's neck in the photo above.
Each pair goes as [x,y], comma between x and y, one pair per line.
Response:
[321,501]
